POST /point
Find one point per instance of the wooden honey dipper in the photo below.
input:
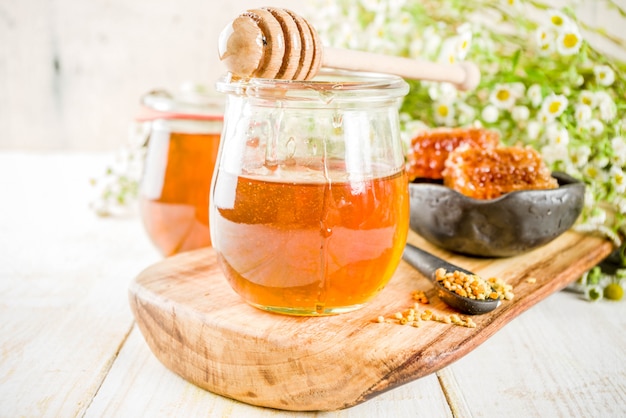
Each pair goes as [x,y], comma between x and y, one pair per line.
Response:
[277,43]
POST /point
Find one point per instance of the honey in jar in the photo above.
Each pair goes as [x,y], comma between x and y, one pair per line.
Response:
[182,151]
[309,205]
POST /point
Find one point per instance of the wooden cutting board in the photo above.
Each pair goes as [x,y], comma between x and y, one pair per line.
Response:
[199,328]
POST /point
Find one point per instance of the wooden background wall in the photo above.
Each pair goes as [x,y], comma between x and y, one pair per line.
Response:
[72,71]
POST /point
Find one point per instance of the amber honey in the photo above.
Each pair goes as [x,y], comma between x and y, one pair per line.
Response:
[174,196]
[314,247]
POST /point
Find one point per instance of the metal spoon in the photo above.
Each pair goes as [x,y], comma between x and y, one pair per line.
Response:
[427,264]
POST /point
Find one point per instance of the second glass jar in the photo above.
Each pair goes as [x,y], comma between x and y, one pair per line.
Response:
[183,142]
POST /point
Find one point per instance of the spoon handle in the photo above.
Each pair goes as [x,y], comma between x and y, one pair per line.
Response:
[427,263]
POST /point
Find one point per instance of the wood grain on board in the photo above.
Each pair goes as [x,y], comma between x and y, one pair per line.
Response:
[199,328]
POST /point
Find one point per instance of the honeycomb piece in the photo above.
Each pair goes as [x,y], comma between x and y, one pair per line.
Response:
[429,149]
[490,173]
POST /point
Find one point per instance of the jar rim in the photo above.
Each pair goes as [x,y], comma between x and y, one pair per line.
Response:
[329,83]
[193,103]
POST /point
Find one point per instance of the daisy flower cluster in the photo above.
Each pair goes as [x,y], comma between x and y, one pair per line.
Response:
[542,84]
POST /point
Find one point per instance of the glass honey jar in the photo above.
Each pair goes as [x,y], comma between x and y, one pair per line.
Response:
[183,141]
[309,203]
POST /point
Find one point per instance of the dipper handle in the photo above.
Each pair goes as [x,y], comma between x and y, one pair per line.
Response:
[277,43]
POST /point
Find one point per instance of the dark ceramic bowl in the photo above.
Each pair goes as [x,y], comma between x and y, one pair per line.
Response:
[506,226]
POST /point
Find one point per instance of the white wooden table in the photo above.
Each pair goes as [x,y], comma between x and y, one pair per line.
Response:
[69,346]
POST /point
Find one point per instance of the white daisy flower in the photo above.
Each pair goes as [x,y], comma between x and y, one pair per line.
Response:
[467,113]
[533,130]
[402,24]
[448,92]
[545,118]
[595,127]
[379,38]
[490,113]
[557,134]
[583,113]
[618,179]
[444,113]
[463,43]
[559,21]
[520,113]
[545,39]
[605,76]
[606,105]
[580,156]
[515,4]
[602,96]
[602,161]
[554,152]
[554,105]
[620,203]
[588,98]
[442,92]
[618,144]
[448,52]
[502,96]
[569,42]
[534,94]
[593,172]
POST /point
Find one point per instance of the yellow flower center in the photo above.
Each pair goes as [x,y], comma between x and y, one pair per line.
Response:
[592,172]
[503,95]
[586,100]
[554,107]
[443,110]
[557,20]
[570,40]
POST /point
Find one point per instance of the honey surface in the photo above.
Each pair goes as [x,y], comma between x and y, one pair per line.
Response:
[174,199]
[311,246]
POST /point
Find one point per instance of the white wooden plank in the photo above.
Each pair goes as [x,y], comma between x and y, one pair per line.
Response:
[63,280]
[563,358]
[138,385]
